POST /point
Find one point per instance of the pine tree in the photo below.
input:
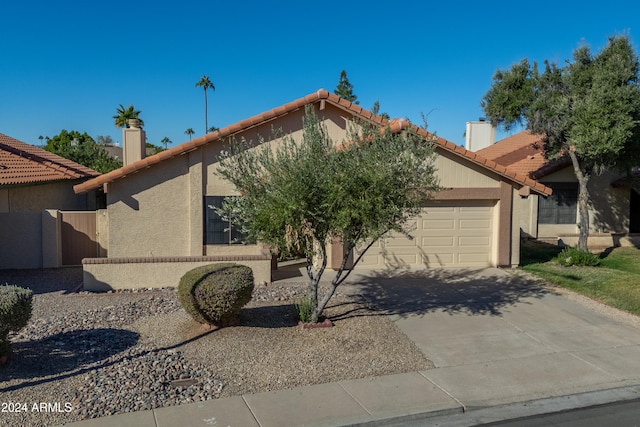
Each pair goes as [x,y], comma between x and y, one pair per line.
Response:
[345,89]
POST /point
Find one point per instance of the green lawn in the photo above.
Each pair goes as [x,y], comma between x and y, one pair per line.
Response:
[616,282]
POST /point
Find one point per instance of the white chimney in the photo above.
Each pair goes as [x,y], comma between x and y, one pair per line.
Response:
[479,135]
[133,142]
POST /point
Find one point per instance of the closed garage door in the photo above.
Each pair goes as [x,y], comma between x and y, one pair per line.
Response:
[455,234]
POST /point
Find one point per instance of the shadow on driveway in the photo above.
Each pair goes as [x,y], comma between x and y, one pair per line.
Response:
[405,293]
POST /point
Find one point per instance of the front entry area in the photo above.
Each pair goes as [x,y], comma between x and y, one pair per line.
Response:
[445,234]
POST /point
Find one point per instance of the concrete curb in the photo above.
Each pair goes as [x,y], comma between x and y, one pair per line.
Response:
[510,411]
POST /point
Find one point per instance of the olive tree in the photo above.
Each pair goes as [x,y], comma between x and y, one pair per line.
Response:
[301,195]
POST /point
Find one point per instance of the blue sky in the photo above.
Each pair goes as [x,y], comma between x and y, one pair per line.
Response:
[69,64]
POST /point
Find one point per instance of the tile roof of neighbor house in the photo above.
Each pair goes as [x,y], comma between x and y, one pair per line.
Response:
[22,163]
[523,153]
[319,96]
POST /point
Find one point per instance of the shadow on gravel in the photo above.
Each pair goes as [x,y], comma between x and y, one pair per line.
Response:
[474,292]
[271,316]
[68,279]
[65,353]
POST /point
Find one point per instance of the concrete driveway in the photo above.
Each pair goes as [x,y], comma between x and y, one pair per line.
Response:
[497,337]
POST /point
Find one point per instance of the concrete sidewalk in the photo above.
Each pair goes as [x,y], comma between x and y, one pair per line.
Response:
[503,348]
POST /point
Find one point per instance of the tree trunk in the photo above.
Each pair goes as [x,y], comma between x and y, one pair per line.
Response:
[583,201]
[315,281]
[206,113]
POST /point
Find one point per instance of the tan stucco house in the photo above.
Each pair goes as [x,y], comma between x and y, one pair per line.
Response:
[35,187]
[160,222]
[613,211]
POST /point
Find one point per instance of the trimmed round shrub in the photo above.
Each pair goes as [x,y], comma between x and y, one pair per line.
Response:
[214,294]
[15,312]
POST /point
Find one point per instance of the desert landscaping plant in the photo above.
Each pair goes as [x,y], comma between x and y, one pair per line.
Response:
[15,312]
[302,195]
[214,294]
[573,256]
[304,309]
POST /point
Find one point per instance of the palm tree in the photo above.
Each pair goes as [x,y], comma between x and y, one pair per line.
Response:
[189,132]
[166,141]
[124,114]
[41,138]
[205,83]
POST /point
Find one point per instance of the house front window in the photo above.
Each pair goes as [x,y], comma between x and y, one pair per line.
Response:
[217,230]
[562,206]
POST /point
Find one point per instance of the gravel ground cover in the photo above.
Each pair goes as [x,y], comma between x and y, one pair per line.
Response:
[87,355]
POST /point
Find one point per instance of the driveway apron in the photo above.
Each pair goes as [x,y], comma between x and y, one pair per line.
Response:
[497,337]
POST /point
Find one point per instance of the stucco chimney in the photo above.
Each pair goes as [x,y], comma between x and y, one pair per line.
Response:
[133,142]
[479,135]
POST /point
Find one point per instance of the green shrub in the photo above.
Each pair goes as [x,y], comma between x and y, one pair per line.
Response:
[15,312]
[215,293]
[573,256]
[304,308]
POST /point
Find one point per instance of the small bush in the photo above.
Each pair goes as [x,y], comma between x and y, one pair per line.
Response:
[573,256]
[15,312]
[214,294]
[304,308]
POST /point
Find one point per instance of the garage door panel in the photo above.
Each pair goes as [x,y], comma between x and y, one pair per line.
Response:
[437,241]
[438,260]
[466,241]
[483,224]
[400,241]
[473,258]
[370,259]
[438,224]
[476,209]
[455,235]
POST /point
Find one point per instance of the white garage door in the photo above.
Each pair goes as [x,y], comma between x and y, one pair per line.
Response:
[456,234]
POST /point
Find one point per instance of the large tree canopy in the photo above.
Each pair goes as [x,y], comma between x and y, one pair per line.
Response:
[82,149]
[588,109]
[301,195]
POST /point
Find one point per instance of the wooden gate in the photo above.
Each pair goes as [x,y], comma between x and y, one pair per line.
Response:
[78,237]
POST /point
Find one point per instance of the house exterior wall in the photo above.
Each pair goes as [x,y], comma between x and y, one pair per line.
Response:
[21,240]
[514,215]
[114,273]
[29,225]
[527,214]
[452,173]
[608,208]
[149,212]
[38,197]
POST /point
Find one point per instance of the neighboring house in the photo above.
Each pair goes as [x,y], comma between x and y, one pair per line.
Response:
[613,209]
[34,186]
[161,220]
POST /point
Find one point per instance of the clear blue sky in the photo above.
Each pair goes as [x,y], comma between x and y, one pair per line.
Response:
[69,64]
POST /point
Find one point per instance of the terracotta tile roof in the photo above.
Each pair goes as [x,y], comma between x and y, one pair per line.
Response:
[22,163]
[319,96]
[523,153]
